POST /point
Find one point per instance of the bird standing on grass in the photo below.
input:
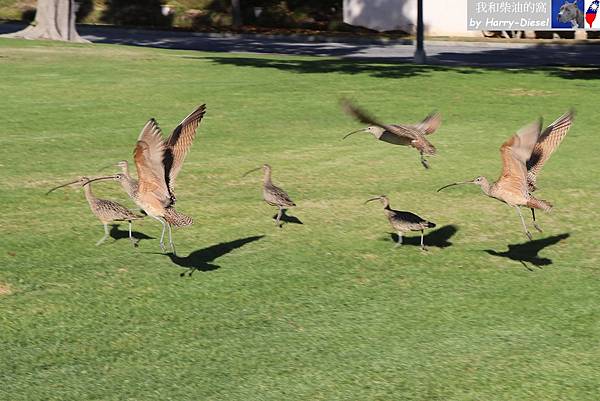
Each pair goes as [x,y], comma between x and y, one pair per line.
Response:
[403,221]
[106,211]
[158,161]
[397,134]
[272,194]
[523,156]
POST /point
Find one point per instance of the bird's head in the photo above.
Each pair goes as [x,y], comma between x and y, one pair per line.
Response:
[481,181]
[119,177]
[265,168]
[116,177]
[374,130]
[384,200]
[371,129]
[82,181]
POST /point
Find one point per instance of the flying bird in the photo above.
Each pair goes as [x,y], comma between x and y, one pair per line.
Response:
[398,134]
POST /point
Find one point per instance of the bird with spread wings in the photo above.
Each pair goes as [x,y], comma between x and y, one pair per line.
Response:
[158,162]
[397,134]
[523,156]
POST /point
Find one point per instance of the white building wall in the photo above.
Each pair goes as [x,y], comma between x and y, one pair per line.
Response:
[441,17]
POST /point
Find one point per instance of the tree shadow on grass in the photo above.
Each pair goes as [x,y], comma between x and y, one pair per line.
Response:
[460,63]
[117,234]
[528,251]
[439,238]
[201,258]
[381,68]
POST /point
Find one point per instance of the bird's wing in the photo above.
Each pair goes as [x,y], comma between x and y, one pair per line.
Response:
[282,196]
[407,217]
[547,143]
[178,144]
[430,124]
[362,116]
[148,156]
[116,210]
[515,152]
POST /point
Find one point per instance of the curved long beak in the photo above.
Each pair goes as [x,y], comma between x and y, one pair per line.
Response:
[354,132]
[251,171]
[108,177]
[63,185]
[454,183]
[372,199]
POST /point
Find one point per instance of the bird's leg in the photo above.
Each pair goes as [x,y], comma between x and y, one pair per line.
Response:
[422,245]
[105,235]
[162,234]
[279,217]
[171,240]
[527,233]
[399,242]
[130,236]
[424,161]
[534,222]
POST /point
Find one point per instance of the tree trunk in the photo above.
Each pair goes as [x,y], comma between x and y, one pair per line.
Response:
[54,20]
[236,13]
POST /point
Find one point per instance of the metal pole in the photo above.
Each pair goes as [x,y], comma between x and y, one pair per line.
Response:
[70,20]
[420,57]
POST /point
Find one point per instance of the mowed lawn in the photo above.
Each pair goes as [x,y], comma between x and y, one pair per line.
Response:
[324,310]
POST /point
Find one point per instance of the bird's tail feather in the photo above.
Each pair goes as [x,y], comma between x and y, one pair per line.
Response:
[177,219]
[535,203]
[430,224]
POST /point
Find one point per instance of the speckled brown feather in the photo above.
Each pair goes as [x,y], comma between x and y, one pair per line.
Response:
[406,221]
[430,124]
[178,144]
[148,156]
[276,196]
[176,219]
[547,143]
[515,153]
[107,211]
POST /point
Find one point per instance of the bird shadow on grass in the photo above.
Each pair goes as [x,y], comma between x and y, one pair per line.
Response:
[438,238]
[117,234]
[201,258]
[528,251]
[285,218]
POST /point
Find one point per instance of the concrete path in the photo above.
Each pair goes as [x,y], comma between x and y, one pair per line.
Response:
[486,54]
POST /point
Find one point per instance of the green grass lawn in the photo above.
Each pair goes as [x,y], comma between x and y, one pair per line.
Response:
[326,310]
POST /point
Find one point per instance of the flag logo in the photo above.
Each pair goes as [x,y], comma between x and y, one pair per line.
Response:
[590,14]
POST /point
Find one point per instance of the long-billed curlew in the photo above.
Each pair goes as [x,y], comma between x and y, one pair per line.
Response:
[158,161]
[106,211]
[272,194]
[403,221]
[523,156]
[397,134]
